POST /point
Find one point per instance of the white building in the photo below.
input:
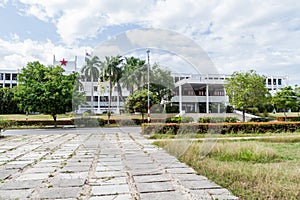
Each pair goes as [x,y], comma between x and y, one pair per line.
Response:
[275,83]
[8,78]
[200,93]
[192,93]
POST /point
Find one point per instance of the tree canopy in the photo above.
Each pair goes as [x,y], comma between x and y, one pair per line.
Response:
[285,99]
[138,101]
[46,89]
[246,90]
[8,105]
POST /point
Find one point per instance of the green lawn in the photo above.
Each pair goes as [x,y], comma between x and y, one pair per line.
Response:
[264,168]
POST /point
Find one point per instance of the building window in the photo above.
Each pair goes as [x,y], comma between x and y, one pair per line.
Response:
[7,85]
[95,88]
[14,77]
[269,81]
[88,98]
[7,77]
[1,76]
[274,81]
[1,85]
[280,81]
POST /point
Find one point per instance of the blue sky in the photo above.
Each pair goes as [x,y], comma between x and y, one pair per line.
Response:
[236,35]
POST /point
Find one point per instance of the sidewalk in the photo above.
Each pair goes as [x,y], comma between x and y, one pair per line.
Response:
[118,166]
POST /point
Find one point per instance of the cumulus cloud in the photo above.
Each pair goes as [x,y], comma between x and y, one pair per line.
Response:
[16,54]
[260,35]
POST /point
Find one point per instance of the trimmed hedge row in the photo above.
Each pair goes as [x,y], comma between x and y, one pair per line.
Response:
[288,119]
[81,122]
[221,128]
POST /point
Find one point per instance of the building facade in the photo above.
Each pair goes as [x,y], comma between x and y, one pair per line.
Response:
[8,78]
[192,93]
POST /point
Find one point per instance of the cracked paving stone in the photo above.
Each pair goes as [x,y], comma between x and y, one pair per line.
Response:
[39,176]
[163,196]
[17,185]
[203,184]
[15,194]
[113,197]
[105,174]
[57,193]
[151,178]
[108,181]
[110,190]
[154,187]
[76,182]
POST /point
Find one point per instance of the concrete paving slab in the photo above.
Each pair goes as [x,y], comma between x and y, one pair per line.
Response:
[96,165]
[108,181]
[155,187]
[163,196]
[57,193]
[15,194]
[113,197]
[110,190]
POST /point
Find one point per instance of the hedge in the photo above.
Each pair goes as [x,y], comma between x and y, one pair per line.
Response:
[80,122]
[288,119]
[222,128]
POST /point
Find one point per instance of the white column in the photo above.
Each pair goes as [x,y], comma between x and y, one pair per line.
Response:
[180,99]
[118,106]
[207,99]
[219,107]
[98,104]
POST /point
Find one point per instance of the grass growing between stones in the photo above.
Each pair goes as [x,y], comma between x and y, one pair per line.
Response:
[260,169]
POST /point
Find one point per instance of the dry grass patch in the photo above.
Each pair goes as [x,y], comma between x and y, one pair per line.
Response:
[249,169]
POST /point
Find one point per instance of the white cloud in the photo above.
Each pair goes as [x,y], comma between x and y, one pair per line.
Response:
[253,34]
[3,3]
[16,54]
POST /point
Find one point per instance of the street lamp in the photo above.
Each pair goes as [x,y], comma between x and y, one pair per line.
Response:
[148,52]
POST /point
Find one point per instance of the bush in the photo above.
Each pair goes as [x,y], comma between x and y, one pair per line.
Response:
[223,128]
[179,119]
[217,119]
[288,119]
[259,119]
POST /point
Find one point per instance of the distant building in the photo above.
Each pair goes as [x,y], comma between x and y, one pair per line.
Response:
[192,93]
[8,78]
[275,83]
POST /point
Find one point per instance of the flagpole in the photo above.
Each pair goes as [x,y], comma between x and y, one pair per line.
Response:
[149,119]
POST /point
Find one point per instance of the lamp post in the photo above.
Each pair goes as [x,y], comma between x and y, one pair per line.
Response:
[148,52]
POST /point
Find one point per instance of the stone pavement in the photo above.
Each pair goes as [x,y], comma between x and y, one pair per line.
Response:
[96,165]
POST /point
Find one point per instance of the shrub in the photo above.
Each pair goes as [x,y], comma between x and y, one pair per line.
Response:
[288,119]
[250,127]
[127,122]
[217,119]
[179,119]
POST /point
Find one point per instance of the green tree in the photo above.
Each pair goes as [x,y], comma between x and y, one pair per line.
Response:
[91,73]
[8,105]
[162,83]
[46,89]
[246,90]
[138,101]
[112,73]
[286,99]
[135,74]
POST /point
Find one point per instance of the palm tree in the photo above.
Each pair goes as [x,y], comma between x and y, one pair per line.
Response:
[135,74]
[91,71]
[112,72]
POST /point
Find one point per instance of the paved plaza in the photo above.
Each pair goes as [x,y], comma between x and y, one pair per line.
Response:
[102,164]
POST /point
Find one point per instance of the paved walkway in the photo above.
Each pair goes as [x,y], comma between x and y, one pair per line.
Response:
[96,165]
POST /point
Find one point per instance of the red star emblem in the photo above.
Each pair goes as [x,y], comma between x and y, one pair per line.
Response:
[63,62]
